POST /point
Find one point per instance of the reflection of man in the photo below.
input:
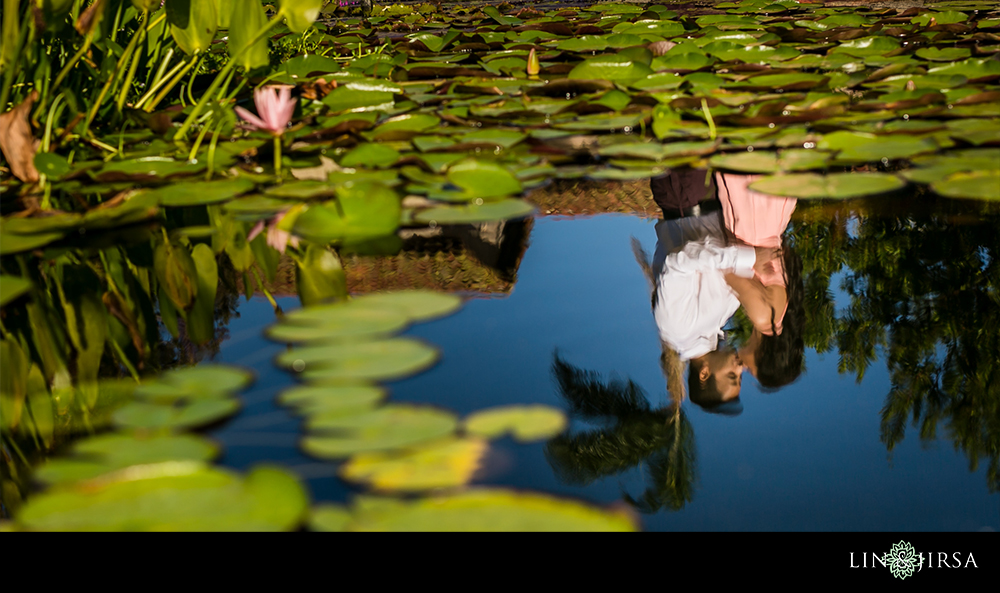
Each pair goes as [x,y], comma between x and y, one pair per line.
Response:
[694,266]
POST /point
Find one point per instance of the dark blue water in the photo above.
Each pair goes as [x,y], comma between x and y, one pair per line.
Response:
[807,457]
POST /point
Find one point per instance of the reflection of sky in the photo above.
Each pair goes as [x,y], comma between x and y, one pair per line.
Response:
[805,458]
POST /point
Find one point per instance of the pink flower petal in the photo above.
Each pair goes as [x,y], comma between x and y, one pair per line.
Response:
[251,119]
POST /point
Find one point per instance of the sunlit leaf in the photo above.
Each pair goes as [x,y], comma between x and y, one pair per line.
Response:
[11,287]
[192,23]
[483,179]
[247,18]
[300,14]
[437,464]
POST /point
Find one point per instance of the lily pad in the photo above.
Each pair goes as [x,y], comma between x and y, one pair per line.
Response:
[437,464]
[489,211]
[172,496]
[396,426]
[306,189]
[337,322]
[524,423]
[344,399]
[370,154]
[483,179]
[834,186]
[376,360]
[197,382]
[99,455]
[152,416]
[770,162]
[196,193]
[978,185]
[486,510]
[614,68]
[861,147]
[416,304]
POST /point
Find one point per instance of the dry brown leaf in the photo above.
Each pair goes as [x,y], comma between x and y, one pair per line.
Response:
[17,142]
[659,48]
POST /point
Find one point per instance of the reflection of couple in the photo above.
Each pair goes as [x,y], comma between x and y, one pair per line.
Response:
[708,265]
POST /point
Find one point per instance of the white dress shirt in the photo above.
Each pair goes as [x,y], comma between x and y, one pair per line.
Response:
[693,300]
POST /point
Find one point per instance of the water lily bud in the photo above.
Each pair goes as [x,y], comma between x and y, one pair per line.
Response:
[533,66]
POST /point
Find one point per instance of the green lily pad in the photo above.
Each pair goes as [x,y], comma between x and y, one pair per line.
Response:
[196,193]
[972,68]
[374,95]
[943,54]
[370,154]
[406,123]
[337,322]
[172,496]
[834,186]
[867,46]
[363,209]
[147,168]
[861,147]
[486,510]
[978,185]
[495,136]
[483,179]
[489,211]
[370,361]
[102,454]
[344,399]
[256,205]
[329,518]
[769,162]
[395,426]
[524,423]
[797,81]
[416,304]
[306,189]
[656,151]
[152,416]
[12,287]
[610,67]
[51,165]
[437,464]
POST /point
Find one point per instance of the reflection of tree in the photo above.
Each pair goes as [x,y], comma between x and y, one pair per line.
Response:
[926,291]
[633,433]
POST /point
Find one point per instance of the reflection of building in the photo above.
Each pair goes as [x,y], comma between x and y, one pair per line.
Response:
[570,197]
[476,259]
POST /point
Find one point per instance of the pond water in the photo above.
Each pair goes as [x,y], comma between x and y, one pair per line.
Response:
[807,457]
[704,266]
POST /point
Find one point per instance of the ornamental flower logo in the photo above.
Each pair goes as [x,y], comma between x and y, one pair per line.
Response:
[901,560]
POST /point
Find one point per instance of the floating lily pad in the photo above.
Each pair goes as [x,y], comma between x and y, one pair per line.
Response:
[152,416]
[344,399]
[196,193]
[195,382]
[172,496]
[147,168]
[489,211]
[769,162]
[525,423]
[396,426]
[370,154]
[610,67]
[483,179]
[337,322]
[834,186]
[978,185]
[486,510]
[416,304]
[376,360]
[306,189]
[102,454]
[861,147]
[437,464]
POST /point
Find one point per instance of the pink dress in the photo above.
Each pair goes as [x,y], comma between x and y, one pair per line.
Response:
[755,218]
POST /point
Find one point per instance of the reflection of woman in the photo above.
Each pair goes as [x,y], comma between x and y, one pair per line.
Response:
[772,299]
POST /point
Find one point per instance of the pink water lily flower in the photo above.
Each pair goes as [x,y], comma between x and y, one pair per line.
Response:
[275,106]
